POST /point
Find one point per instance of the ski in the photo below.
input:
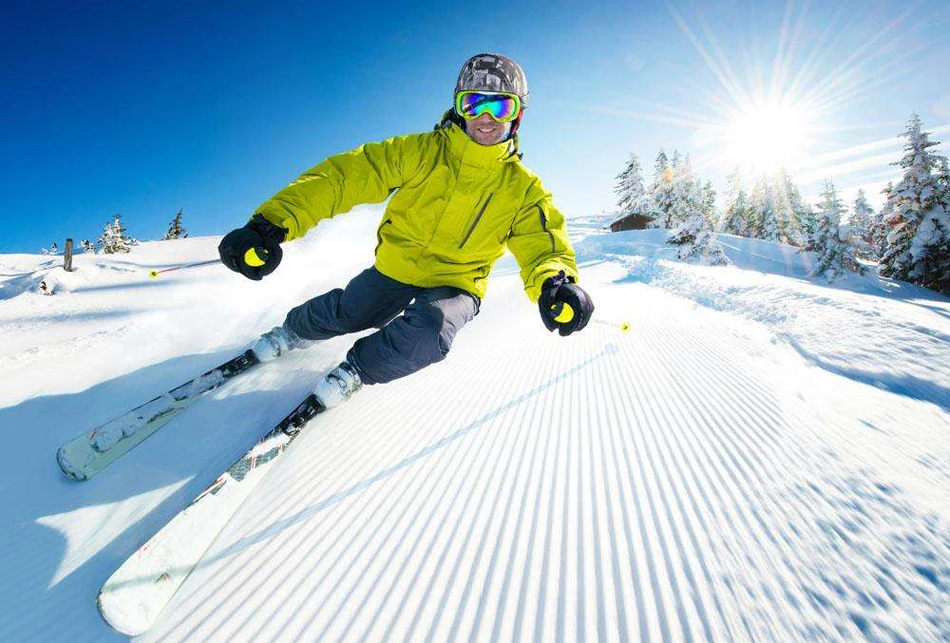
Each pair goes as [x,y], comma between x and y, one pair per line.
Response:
[89,453]
[134,596]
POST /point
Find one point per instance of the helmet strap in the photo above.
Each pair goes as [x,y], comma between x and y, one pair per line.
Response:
[515,124]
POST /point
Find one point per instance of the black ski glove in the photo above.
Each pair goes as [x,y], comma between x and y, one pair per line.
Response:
[557,291]
[254,250]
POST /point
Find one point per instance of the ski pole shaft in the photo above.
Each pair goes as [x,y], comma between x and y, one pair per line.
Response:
[622,326]
[155,273]
[567,313]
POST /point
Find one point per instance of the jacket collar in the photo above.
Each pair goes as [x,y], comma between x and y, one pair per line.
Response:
[471,153]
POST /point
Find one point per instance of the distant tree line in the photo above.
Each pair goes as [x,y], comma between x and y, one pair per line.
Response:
[909,238]
[115,238]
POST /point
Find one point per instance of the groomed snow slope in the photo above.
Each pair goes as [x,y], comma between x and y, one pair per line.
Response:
[759,458]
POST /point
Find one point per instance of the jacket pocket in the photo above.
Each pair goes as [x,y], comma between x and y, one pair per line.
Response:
[379,234]
[544,227]
[478,217]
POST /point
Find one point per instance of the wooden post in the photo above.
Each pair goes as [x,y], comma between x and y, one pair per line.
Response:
[68,257]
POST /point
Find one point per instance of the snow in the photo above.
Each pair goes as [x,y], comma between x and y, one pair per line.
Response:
[761,456]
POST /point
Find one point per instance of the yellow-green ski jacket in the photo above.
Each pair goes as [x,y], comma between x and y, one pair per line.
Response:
[457,205]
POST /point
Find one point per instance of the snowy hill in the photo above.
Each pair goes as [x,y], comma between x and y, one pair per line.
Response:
[760,457]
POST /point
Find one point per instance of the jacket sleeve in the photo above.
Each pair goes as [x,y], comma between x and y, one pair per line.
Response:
[539,241]
[367,174]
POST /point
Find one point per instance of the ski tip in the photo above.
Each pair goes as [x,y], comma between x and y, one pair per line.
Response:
[71,471]
[120,620]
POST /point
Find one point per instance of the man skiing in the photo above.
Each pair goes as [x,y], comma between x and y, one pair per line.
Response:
[460,196]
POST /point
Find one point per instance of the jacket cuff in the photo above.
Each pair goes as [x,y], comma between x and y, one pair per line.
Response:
[533,286]
[268,228]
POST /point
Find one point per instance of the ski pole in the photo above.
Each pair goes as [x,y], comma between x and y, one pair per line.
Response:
[567,314]
[623,326]
[155,273]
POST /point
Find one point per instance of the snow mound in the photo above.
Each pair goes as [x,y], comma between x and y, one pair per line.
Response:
[857,328]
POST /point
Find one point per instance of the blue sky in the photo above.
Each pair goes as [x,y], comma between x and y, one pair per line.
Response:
[145,108]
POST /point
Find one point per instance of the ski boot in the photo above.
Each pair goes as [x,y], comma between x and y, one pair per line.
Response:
[276,342]
[338,385]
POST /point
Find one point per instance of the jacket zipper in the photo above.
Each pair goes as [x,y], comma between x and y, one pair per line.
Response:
[478,218]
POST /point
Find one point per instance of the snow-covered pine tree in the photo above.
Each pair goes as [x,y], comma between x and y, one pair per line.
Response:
[87,245]
[661,190]
[708,205]
[771,209]
[733,185]
[52,250]
[860,226]
[758,206]
[114,238]
[918,240]
[878,223]
[834,255]
[175,229]
[697,244]
[789,208]
[631,192]
[807,222]
[862,213]
[943,174]
[737,217]
[686,194]
[678,209]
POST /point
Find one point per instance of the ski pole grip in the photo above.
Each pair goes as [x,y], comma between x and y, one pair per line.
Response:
[256,257]
[566,314]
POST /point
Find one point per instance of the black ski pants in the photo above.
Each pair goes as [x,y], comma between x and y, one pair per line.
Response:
[404,343]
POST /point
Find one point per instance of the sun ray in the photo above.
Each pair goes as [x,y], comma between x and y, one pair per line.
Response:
[649,116]
[809,67]
[850,67]
[783,52]
[720,54]
[725,77]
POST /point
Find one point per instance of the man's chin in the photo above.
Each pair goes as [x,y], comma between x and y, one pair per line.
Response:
[488,139]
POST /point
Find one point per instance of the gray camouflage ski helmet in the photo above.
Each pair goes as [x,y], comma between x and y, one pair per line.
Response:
[490,72]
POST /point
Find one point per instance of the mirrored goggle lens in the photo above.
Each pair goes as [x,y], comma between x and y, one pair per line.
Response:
[501,107]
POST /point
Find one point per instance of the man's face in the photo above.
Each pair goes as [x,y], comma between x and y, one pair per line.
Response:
[486,131]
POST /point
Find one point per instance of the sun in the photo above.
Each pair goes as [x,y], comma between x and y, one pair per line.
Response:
[765,136]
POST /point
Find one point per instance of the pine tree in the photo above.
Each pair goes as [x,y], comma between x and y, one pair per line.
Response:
[686,193]
[862,214]
[114,239]
[860,226]
[661,190]
[697,244]
[807,221]
[631,192]
[759,205]
[52,250]
[878,229]
[834,255]
[737,217]
[708,205]
[87,245]
[774,206]
[790,208]
[918,240]
[175,229]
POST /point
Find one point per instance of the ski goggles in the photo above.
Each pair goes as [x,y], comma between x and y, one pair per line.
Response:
[501,106]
